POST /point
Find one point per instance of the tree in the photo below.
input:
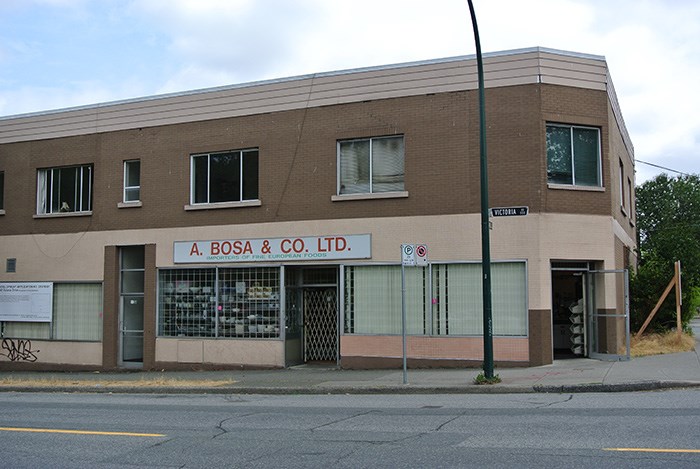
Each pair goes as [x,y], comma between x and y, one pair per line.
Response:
[668,223]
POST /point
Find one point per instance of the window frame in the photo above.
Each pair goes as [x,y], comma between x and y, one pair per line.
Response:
[371,193]
[127,187]
[623,199]
[2,192]
[62,327]
[193,204]
[599,162]
[45,194]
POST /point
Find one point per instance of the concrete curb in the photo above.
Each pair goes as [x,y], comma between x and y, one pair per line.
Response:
[618,387]
[360,390]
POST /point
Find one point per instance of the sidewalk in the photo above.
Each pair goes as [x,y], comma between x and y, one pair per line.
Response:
[676,370]
[574,375]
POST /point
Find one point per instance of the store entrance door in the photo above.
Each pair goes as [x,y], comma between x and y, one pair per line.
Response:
[320,325]
[311,319]
[131,286]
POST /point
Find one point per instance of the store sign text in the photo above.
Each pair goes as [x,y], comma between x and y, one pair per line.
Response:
[274,249]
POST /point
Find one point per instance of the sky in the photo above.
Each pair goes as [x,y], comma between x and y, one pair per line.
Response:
[62,53]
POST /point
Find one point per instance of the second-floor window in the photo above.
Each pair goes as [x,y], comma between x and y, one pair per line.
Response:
[230,176]
[132,181]
[64,190]
[573,155]
[371,165]
[2,190]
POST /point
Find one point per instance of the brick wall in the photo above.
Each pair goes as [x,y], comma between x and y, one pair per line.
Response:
[298,161]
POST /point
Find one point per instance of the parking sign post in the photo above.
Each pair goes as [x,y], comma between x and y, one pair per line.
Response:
[412,255]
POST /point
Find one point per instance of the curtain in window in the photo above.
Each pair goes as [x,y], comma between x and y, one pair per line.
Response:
[354,167]
[387,164]
[41,202]
[586,157]
[458,308]
[77,309]
[27,330]
[374,305]
[509,298]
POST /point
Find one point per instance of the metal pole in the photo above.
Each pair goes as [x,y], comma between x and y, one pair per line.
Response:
[403,320]
[485,243]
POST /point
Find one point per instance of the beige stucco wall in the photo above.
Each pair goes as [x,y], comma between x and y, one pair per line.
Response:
[73,353]
[257,353]
[537,238]
[508,349]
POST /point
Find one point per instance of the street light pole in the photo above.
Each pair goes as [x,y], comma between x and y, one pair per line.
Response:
[485,242]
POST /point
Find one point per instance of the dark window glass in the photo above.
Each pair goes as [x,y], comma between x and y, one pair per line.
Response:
[573,155]
[225,177]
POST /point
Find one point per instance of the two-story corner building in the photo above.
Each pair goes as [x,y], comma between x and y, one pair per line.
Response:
[260,225]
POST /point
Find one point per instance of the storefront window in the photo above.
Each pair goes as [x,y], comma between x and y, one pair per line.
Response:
[457,307]
[444,300]
[224,302]
[77,315]
[373,299]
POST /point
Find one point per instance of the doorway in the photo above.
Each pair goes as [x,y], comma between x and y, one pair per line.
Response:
[311,321]
[131,296]
[569,325]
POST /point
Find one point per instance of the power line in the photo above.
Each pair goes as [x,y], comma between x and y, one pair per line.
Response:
[662,167]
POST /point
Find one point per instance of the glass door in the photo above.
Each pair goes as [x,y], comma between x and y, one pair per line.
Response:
[132,269]
[607,293]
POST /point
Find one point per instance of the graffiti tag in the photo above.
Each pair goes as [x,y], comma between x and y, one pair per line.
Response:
[18,349]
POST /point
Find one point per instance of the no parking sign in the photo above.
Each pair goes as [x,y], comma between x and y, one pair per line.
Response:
[414,255]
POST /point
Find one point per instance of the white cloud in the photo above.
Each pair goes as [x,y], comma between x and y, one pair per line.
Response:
[651,47]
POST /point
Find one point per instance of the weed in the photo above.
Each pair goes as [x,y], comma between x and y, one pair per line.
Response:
[482,379]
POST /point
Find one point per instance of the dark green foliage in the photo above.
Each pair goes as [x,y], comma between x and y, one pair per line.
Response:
[668,220]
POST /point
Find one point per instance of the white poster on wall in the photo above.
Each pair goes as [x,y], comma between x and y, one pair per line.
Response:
[26,301]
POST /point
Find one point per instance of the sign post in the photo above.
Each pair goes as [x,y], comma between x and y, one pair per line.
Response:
[412,255]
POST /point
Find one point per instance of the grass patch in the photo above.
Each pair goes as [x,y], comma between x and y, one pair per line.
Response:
[658,344]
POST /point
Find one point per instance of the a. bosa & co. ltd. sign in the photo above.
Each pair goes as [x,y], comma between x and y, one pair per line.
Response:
[274,249]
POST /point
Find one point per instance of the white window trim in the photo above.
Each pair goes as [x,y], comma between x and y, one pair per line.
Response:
[133,204]
[573,167]
[242,204]
[125,187]
[41,196]
[62,214]
[371,194]
[568,187]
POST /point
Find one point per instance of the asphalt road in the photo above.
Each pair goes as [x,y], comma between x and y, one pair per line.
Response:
[620,430]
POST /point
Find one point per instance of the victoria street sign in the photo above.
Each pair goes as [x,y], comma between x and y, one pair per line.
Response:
[509,211]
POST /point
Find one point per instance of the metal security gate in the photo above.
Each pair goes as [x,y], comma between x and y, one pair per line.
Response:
[320,324]
[609,328]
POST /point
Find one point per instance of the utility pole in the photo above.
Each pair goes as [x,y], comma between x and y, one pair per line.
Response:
[485,241]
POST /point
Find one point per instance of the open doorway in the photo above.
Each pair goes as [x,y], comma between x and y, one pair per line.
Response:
[569,325]
[311,315]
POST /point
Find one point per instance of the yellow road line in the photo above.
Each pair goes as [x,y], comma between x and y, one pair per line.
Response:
[75,432]
[654,450]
